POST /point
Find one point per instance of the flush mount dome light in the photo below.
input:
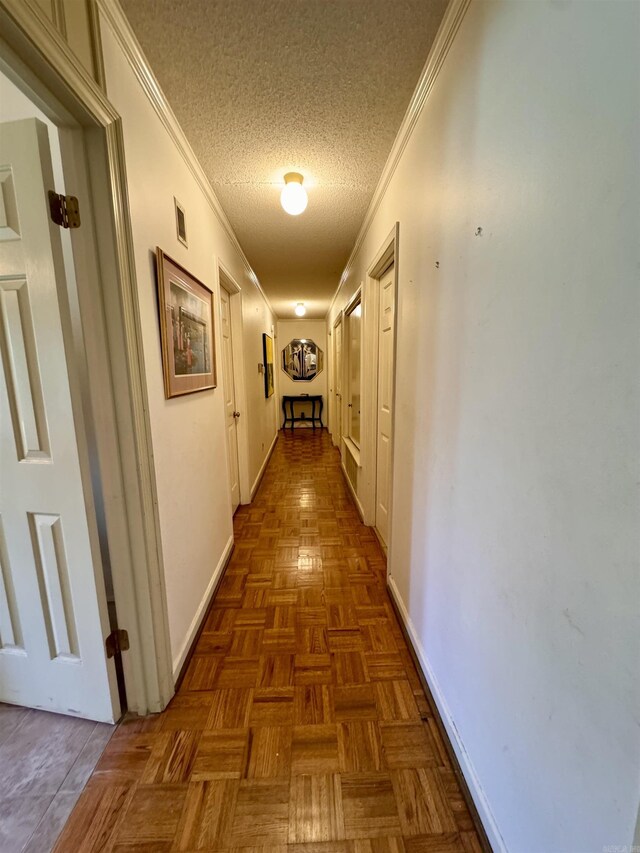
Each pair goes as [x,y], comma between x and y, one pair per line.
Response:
[293,197]
[300,309]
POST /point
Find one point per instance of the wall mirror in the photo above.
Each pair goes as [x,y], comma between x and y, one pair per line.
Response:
[302,359]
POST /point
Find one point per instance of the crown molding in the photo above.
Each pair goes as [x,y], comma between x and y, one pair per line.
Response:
[437,55]
[114,15]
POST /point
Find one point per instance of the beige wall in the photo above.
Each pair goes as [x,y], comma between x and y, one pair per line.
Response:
[188,432]
[515,544]
[315,330]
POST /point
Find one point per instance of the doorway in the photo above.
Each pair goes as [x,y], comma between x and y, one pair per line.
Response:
[55,585]
[53,597]
[62,607]
[386,327]
[383,277]
[231,412]
[231,336]
[337,381]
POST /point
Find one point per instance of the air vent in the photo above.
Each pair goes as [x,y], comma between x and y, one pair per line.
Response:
[351,468]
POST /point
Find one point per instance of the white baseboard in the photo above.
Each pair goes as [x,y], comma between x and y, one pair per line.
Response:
[381,543]
[466,765]
[263,467]
[202,609]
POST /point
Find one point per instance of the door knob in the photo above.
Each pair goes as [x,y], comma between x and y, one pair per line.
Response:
[236,414]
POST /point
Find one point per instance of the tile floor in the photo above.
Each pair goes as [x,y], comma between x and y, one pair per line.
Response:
[45,762]
[301,724]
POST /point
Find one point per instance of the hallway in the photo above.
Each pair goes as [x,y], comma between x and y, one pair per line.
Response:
[301,719]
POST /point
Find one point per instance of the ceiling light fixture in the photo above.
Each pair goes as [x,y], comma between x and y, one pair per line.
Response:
[300,309]
[293,197]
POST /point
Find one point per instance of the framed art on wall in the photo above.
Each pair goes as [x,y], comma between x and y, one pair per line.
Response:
[302,360]
[267,351]
[186,329]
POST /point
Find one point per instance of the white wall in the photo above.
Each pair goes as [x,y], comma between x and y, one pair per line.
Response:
[188,432]
[515,534]
[315,330]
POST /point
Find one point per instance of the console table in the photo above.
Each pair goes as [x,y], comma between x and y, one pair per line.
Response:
[314,399]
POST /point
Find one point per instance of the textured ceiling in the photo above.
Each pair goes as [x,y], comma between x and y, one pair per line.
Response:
[263,87]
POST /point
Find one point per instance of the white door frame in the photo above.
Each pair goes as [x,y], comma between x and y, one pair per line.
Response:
[384,257]
[336,432]
[330,378]
[39,61]
[355,450]
[228,282]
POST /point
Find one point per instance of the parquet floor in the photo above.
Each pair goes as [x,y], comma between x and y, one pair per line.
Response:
[301,725]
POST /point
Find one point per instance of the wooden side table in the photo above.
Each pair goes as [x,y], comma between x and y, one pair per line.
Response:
[291,418]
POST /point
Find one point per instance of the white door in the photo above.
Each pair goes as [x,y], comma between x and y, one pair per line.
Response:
[231,415]
[337,382]
[53,615]
[385,402]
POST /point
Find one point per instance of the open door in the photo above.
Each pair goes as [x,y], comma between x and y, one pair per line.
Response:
[53,613]
[386,327]
[337,382]
[228,387]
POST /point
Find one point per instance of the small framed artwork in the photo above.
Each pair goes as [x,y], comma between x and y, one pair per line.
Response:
[267,352]
[181,223]
[186,329]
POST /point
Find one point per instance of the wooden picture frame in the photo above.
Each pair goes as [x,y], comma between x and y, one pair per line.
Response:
[186,329]
[267,353]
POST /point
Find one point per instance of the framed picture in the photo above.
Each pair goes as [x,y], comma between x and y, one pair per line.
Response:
[267,351]
[186,329]
[181,222]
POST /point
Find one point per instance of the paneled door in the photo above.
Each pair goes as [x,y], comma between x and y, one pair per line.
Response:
[53,613]
[231,413]
[337,381]
[385,401]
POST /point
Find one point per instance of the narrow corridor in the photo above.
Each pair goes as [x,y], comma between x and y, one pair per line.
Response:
[301,724]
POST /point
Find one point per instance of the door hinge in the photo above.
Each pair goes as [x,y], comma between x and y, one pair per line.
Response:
[65,210]
[116,642]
